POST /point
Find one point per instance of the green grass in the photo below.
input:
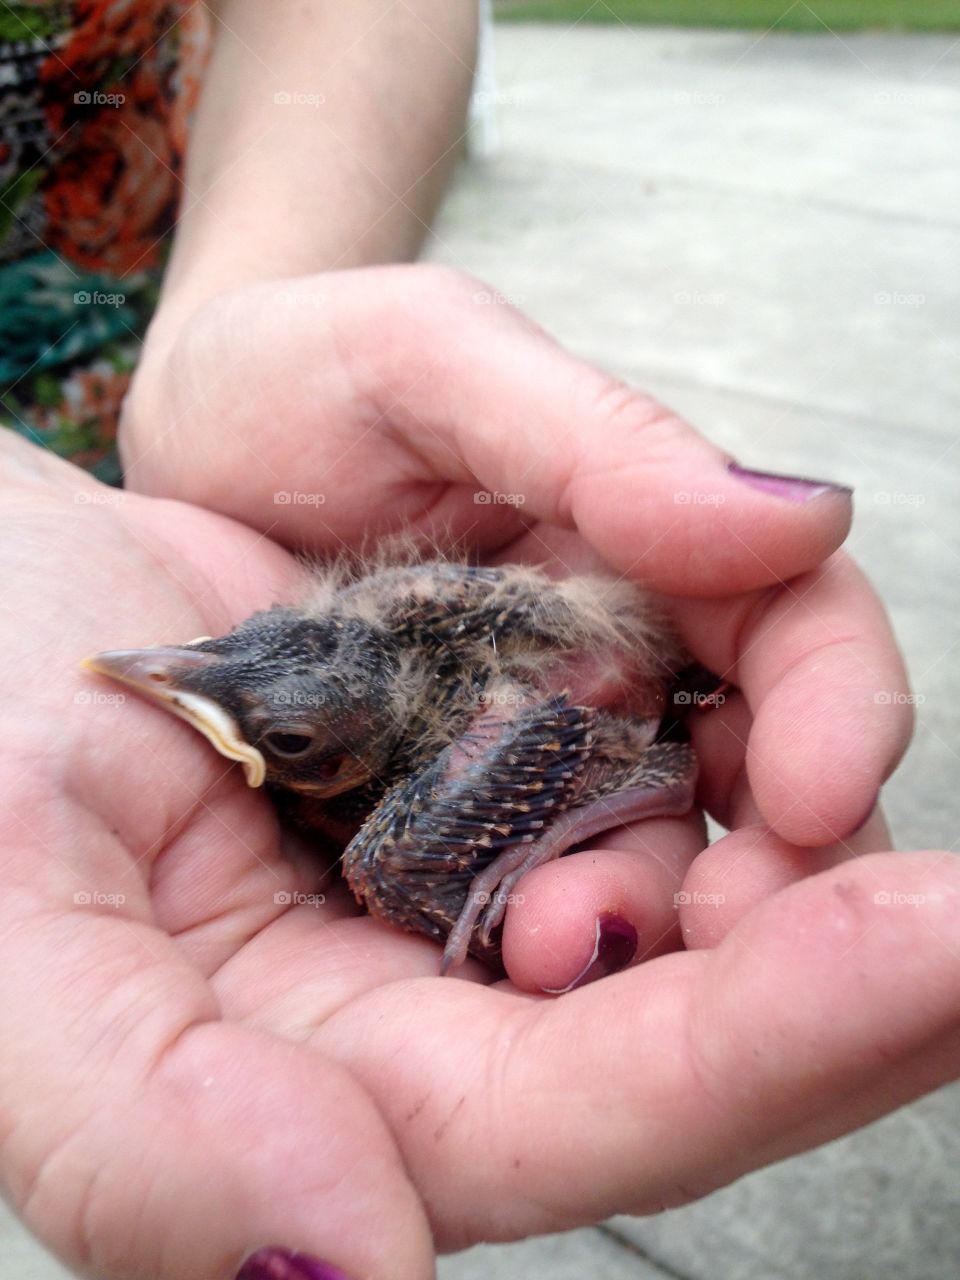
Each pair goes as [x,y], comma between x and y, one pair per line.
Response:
[785,15]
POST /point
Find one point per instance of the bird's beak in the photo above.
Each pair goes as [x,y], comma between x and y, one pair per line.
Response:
[155,674]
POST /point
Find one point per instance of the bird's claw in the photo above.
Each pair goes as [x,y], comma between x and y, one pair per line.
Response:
[663,786]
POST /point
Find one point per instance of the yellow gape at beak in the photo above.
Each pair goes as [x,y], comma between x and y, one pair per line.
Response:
[152,673]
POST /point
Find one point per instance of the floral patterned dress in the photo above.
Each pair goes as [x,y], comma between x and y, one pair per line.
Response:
[95,97]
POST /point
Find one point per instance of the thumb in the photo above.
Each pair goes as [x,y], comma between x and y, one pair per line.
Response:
[502,402]
[430,406]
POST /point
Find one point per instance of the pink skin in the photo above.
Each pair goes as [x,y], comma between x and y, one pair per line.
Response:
[161,1037]
[605,680]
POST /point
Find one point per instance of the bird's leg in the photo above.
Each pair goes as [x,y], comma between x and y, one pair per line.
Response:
[577,825]
[500,784]
[660,784]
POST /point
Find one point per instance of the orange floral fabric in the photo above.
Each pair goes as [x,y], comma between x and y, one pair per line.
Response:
[95,106]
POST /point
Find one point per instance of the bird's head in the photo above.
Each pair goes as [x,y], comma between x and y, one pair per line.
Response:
[303,703]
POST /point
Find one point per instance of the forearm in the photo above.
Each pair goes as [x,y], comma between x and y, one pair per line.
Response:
[346,173]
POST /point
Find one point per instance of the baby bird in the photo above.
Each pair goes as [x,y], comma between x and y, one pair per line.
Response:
[453,726]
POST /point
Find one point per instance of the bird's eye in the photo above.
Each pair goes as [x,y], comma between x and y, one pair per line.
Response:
[288,745]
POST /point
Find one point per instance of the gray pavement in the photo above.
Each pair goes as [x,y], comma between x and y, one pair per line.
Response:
[765,233]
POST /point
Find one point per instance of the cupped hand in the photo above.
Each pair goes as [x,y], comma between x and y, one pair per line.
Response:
[335,408]
[209,1050]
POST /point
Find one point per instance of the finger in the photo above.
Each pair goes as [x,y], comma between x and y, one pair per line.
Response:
[827,690]
[208,1140]
[816,995]
[443,415]
[757,638]
[719,733]
[742,869]
[595,912]
[686,1072]
[506,408]
[510,410]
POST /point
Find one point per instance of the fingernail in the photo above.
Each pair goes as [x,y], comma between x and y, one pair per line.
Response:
[794,488]
[613,949]
[283,1264]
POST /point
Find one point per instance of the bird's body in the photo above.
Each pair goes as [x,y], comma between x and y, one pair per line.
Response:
[453,725]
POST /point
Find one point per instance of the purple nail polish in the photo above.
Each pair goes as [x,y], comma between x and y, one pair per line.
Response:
[283,1264]
[614,947]
[794,488]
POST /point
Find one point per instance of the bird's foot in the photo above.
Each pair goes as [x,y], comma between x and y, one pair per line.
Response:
[670,772]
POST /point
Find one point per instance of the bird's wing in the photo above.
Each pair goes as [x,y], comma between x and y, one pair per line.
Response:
[500,784]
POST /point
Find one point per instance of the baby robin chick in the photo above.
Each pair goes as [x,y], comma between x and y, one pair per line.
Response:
[454,726]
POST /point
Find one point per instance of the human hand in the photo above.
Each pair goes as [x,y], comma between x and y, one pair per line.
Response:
[332,408]
[197,1064]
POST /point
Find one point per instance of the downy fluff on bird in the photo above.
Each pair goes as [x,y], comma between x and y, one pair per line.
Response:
[449,725]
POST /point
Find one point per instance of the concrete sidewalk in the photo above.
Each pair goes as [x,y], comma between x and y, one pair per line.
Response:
[766,233]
